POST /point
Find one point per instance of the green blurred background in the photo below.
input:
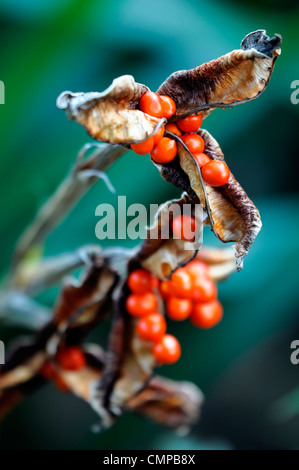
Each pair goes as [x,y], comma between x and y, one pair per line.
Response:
[243,365]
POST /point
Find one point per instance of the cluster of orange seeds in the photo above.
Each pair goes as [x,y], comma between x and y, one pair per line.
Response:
[164,149]
[151,326]
[190,293]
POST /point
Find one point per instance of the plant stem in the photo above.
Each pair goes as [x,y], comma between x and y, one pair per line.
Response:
[84,174]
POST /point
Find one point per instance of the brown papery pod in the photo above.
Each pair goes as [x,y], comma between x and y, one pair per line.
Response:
[221,262]
[122,379]
[80,382]
[234,78]
[168,402]
[171,403]
[160,253]
[130,362]
[232,215]
[112,115]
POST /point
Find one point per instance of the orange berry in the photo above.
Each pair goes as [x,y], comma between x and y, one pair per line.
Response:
[151,327]
[194,142]
[164,289]
[207,315]
[158,135]
[215,173]
[167,350]
[178,309]
[141,281]
[143,147]
[204,290]
[197,269]
[150,103]
[168,105]
[182,283]
[48,370]
[184,227]
[139,305]
[201,158]
[173,128]
[71,358]
[165,151]
[190,123]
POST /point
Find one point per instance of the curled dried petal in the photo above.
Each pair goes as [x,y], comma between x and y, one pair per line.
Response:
[112,116]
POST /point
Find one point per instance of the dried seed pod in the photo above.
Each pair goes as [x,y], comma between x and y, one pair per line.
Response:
[80,307]
[113,382]
[171,403]
[232,215]
[235,78]
[162,254]
[122,379]
[112,116]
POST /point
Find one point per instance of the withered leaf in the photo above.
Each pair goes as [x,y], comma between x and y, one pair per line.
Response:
[239,76]
[112,116]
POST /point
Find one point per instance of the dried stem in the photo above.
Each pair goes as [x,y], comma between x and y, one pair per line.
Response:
[17,309]
[81,178]
[50,271]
